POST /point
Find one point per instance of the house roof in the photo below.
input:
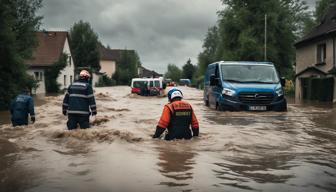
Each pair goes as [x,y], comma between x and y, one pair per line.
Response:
[49,49]
[148,73]
[325,28]
[109,54]
[312,69]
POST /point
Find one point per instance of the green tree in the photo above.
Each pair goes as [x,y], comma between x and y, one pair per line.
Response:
[84,46]
[210,45]
[127,67]
[188,70]
[322,6]
[105,81]
[173,72]
[240,33]
[18,24]
[310,20]
[52,74]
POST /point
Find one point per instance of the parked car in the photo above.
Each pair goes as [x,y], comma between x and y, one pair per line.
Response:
[237,85]
[185,82]
[169,83]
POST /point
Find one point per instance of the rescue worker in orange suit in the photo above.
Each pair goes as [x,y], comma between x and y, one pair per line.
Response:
[79,102]
[177,117]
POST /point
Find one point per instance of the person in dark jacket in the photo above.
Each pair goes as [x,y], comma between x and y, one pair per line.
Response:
[177,117]
[79,102]
[20,107]
[144,89]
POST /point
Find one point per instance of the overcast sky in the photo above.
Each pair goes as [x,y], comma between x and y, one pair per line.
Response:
[162,32]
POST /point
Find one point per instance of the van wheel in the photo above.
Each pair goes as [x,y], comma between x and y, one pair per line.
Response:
[220,108]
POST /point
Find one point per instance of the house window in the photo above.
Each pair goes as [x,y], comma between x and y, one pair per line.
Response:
[69,60]
[321,53]
[70,79]
[65,84]
[38,76]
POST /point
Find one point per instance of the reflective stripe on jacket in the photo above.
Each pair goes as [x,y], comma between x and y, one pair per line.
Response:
[79,99]
[177,118]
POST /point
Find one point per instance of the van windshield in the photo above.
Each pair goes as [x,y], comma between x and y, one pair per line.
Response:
[249,73]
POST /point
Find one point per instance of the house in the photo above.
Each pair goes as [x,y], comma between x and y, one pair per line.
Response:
[108,60]
[315,62]
[143,73]
[51,45]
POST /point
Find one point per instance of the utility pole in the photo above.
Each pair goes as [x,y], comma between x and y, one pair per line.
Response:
[265,47]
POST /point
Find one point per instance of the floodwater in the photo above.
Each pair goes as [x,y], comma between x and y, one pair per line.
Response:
[236,151]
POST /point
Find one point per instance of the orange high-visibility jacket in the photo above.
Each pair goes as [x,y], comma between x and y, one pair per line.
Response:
[169,109]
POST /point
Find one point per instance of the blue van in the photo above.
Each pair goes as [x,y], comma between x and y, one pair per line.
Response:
[241,85]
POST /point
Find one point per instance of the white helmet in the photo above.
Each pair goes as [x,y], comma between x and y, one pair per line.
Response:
[174,93]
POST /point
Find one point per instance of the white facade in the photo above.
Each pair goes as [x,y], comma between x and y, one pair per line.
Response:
[66,76]
[108,67]
[95,78]
[38,74]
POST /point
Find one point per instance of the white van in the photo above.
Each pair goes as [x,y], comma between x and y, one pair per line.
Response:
[152,84]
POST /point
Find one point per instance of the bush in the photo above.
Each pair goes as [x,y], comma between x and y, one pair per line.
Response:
[198,82]
[53,72]
[105,81]
[289,88]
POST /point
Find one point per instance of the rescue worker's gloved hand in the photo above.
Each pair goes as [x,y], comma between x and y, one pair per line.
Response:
[94,113]
[32,119]
[64,112]
[158,132]
[195,132]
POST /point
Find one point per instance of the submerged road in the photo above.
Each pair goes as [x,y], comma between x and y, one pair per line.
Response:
[236,151]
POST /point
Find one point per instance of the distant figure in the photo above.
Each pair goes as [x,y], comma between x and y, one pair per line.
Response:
[20,107]
[79,102]
[144,91]
[177,116]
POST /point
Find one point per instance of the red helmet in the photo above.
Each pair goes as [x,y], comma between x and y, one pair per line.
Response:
[84,73]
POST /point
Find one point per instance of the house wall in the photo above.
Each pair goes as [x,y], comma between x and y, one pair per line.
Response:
[108,67]
[41,82]
[68,71]
[306,56]
[95,79]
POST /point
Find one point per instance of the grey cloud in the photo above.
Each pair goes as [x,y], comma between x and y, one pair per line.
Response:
[162,32]
[169,31]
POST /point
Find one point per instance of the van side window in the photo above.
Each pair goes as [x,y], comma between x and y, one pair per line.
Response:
[211,71]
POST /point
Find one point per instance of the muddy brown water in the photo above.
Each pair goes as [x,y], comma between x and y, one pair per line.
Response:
[237,151]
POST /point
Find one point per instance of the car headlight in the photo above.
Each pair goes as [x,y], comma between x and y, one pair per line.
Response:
[228,92]
[279,92]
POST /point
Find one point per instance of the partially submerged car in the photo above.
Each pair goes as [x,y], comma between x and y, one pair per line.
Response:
[239,85]
[147,86]
[185,82]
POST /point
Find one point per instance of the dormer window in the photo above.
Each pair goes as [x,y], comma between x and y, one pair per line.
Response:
[321,53]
